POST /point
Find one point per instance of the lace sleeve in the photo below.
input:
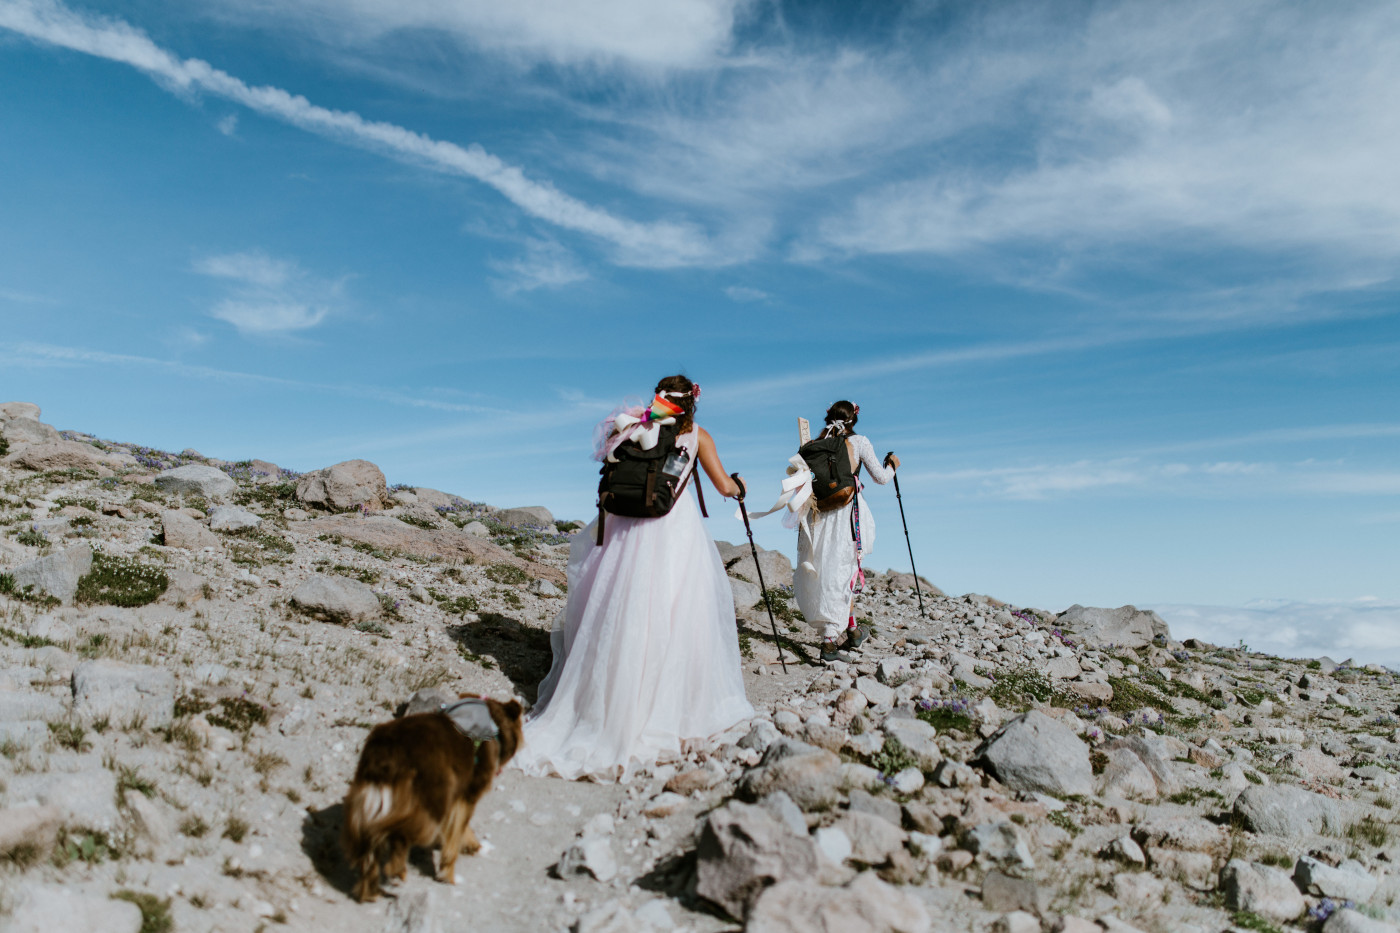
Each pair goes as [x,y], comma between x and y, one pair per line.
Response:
[873,467]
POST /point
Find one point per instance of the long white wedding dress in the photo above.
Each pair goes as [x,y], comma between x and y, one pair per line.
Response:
[826,551]
[646,652]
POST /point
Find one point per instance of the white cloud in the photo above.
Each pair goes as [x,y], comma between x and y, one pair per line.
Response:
[545,264]
[228,125]
[269,296]
[743,293]
[660,34]
[1364,629]
[660,244]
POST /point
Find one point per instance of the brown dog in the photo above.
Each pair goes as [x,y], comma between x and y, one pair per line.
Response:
[419,781]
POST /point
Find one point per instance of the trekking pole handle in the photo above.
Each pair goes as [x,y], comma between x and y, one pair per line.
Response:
[743,491]
[888,457]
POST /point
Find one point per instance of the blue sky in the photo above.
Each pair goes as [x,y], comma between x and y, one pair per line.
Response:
[1117,280]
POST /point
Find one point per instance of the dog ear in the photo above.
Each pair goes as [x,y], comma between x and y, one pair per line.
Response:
[512,709]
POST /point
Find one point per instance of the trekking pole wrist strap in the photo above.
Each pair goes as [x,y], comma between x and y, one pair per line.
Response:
[740,483]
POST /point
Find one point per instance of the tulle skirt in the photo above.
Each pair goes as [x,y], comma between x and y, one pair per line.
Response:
[826,563]
[646,652]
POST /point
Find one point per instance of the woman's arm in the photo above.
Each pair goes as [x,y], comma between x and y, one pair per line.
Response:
[709,459]
[873,467]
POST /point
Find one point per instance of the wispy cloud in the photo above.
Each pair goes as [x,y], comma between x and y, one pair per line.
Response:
[24,298]
[228,125]
[660,244]
[545,264]
[28,354]
[269,296]
[743,293]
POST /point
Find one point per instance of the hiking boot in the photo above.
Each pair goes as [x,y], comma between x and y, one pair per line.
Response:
[830,652]
[855,637]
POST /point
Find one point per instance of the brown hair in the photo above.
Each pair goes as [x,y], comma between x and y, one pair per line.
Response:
[686,420]
[841,411]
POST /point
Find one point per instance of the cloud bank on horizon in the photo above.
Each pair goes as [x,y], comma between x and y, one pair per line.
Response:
[1366,631]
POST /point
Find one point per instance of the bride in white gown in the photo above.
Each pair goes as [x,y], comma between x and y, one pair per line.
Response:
[646,652]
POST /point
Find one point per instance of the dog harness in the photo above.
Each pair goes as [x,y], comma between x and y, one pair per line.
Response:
[472,717]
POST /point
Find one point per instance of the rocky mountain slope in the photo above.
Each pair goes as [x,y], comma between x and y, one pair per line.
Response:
[191,652]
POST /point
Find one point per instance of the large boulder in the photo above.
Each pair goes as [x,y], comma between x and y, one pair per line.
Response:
[1349,881]
[56,574]
[336,599]
[62,455]
[1036,753]
[1261,889]
[197,479]
[777,569]
[866,905]
[347,485]
[1286,810]
[743,850]
[746,595]
[527,516]
[179,530]
[1126,626]
[25,428]
[123,692]
[22,411]
[1144,755]
[29,825]
[811,776]
[232,518]
[85,799]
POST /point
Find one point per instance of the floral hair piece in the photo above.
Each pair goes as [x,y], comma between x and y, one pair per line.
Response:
[695,391]
[857,408]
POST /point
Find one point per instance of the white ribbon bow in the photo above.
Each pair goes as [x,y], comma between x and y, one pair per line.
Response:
[796,496]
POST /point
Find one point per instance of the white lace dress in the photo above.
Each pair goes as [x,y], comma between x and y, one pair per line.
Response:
[646,652]
[826,551]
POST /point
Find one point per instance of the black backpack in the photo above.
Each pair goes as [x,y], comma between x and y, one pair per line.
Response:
[834,482]
[645,483]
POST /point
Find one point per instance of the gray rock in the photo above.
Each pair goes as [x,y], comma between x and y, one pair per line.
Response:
[336,599]
[56,574]
[413,912]
[428,700]
[1260,889]
[1124,775]
[1285,810]
[919,738]
[781,807]
[866,905]
[875,692]
[147,819]
[873,839]
[477,530]
[1349,881]
[544,588]
[1062,668]
[999,843]
[1125,850]
[742,851]
[184,532]
[746,595]
[1017,921]
[343,486]
[25,411]
[231,518]
[85,799]
[811,776]
[777,569]
[729,553]
[24,734]
[883,807]
[893,671]
[1036,753]
[43,908]
[1155,757]
[1187,833]
[1196,870]
[197,479]
[1126,626]
[24,706]
[29,825]
[123,693]
[28,431]
[591,855]
[1352,921]
[528,516]
[762,735]
[1004,893]
[611,917]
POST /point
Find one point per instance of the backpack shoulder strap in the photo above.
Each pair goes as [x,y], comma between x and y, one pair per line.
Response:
[699,492]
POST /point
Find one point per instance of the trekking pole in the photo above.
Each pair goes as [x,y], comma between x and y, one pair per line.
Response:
[744,511]
[906,537]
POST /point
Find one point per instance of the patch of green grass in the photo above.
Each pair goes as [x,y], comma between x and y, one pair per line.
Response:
[363,574]
[4,446]
[893,758]
[507,574]
[120,581]
[194,826]
[1371,831]
[235,829]
[568,527]
[1314,665]
[944,718]
[1246,920]
[1020,688]
[190,704]
[32,537]
[23,640]
[91,847]
[271,497]
[69,735]
[131,779]
[417,522]
[149,494]
[461,605]
[1193,795]
[1062,819]
[253,548]
[1277,859]
[89,504]
[1250,697]
[471,656]
[371,627]
[237,714]
[1130,695]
